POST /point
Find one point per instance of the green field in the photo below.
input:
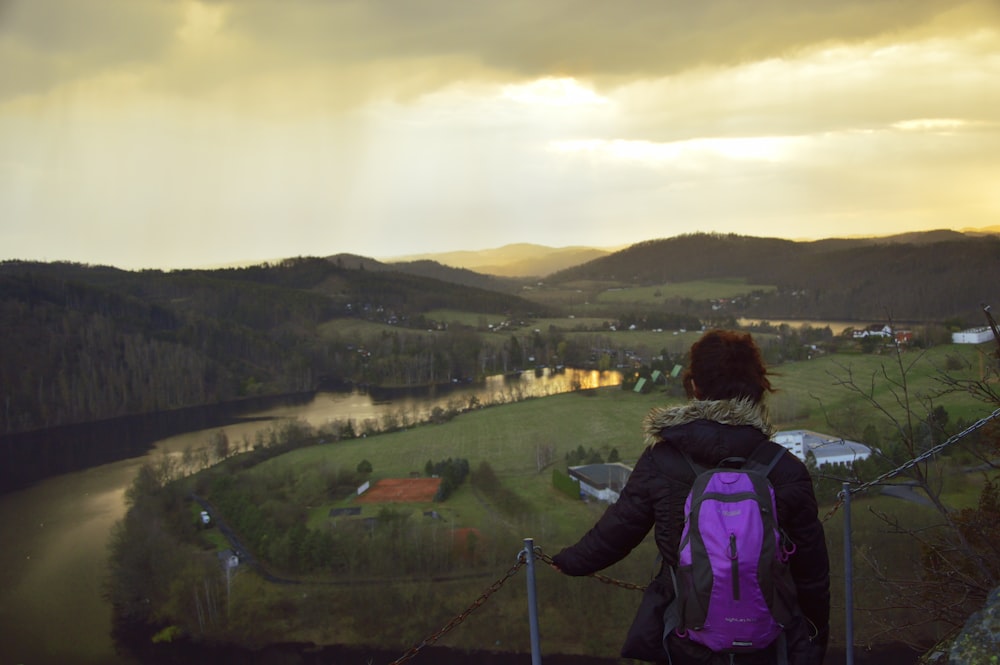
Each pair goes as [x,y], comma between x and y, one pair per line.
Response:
[811,395]
[572,323]
[473,319]
[506,437]
[706,289]
[814,393]
[586,294]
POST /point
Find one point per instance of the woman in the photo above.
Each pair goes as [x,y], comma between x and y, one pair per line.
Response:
[725,418]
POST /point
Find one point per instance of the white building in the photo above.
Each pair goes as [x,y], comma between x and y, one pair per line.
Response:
[972,336]
[601,481]
[792,440]
[824,448]
[874,330]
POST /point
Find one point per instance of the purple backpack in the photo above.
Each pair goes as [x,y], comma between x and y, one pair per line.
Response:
[734,592]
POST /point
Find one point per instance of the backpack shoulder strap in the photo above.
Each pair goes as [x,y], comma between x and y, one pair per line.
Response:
[765,457]
[680,466]
[696,468]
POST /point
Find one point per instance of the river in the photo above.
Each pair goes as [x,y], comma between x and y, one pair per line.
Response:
[54,533]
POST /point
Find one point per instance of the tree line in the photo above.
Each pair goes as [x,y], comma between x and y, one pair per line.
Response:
[85,343]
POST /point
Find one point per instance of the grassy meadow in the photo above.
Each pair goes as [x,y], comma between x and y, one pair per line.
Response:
[700,290]
[509,438]
[572,326]
[586,293]
[812,394]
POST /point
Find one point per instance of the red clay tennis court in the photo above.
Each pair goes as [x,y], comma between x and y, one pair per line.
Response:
[401,490]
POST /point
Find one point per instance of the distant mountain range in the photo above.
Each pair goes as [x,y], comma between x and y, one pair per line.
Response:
[430,269]
[78,337]
[920,276]
[520,260]
[516,260]
[933,276]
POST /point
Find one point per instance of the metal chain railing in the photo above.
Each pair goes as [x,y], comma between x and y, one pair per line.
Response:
[836,507]
[434,637]
[493,588]
[541,556]
[930,452]
[926,455]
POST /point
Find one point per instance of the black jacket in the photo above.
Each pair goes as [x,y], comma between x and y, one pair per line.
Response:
[653,497]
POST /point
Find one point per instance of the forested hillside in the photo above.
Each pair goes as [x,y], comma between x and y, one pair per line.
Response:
[518,260]
[922,278]
[83,343]
[433,270]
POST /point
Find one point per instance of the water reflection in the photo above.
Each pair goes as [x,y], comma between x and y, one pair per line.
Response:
[52,566]
[836,327]
[55,533]
[416,405]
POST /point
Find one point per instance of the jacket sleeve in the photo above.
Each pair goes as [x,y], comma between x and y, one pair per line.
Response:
[622,527]
[810,565]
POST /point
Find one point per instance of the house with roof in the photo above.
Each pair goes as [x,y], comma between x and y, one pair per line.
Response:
[826,449]
[885,331]
[874,330]
[228,559]
[604,482]
[972,336]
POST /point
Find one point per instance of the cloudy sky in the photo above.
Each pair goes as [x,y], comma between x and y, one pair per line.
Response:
[180,133]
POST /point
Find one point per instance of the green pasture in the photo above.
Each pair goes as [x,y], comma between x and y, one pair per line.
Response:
[810,395]
[510,437]
[813,393]
[572,324]
[648,343]
[706,289]
[574,294]
[507,437]
[474,319]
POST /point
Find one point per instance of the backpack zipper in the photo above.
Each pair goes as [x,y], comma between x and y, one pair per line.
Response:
[734,558]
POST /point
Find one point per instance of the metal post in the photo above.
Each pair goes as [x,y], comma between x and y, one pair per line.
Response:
[848,580]
[529,558]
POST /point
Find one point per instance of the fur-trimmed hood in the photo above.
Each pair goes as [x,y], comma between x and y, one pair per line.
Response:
[741,411]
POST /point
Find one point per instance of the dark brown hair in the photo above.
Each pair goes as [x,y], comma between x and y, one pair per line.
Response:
[726,364]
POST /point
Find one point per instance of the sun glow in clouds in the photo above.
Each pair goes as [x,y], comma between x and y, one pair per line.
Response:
[300,127]
[553,92]
[761,148]
[201,22]
[930,124]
